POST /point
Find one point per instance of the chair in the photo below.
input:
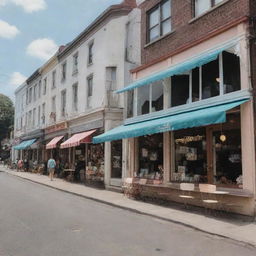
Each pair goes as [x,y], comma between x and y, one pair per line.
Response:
[186,189]
[208,195]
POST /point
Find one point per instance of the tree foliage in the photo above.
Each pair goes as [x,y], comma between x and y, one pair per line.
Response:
[6,115]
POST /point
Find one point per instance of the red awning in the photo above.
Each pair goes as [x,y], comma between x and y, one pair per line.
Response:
[77,139]
[53,142]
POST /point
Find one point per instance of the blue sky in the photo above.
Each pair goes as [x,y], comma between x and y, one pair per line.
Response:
[30,31]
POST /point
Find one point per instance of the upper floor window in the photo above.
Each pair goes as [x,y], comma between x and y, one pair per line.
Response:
[45,86]
[39,116]
[75,97]
[63,103]
[90,53]
[202,6]
[54,79]
[111,78]
[213,79]
[43,113]
[30,95]
[39,89]
[63,71]
[89,85]
[159,20]
[75,63]
[35,92]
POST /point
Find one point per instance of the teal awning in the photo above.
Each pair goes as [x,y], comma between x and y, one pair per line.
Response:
[25,144]
[190,119]
[185,66]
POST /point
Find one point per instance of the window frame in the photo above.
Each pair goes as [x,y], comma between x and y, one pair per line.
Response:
[90,86]
[213,4]
[63,71]
[75,63]
[160,20]
[63,100]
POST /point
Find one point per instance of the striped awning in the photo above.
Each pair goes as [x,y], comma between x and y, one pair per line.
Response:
[53,143]
[77,139]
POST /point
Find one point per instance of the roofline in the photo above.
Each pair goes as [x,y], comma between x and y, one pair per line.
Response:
[20,87]
[113,10]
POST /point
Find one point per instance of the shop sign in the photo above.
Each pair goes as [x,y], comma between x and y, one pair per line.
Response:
[55,128]
[188,139]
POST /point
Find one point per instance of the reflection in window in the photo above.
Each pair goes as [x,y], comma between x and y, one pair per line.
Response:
[179,90]
[143,100]
[157,96]
[190,156]
[231,72]
[210,79]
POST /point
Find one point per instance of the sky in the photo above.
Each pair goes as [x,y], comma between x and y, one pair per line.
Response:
[32,30]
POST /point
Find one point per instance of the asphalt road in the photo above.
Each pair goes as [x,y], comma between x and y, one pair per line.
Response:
[40,221]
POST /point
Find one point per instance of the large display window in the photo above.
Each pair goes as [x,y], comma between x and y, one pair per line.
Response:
[190,156]
[151,156]
[209,154]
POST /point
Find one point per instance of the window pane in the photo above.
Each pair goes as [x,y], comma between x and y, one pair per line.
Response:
[157,96]
[166,27]
[116,155]
[227,152]
[190,156]
[151,156]
[153,18]
[231,72]
[180,90]
[195,84]
[210,79]
[202,6]
[166,10]
[143,100]
[154,33]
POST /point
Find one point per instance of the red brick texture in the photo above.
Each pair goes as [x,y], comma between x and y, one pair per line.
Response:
[184,31]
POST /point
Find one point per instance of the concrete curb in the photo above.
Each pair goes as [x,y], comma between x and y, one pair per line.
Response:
[246,243]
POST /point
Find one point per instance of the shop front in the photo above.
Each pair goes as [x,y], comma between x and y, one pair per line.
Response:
[193,123]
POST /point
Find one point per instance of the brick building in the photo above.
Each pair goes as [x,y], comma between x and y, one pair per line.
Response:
[192,121]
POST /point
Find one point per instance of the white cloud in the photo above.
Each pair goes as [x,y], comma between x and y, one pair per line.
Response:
[28,5]
[42,48]
[8,31]
[17,79]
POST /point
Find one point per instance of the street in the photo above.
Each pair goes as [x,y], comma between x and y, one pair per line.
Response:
[36,220]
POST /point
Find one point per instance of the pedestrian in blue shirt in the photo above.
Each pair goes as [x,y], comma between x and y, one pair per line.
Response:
[51,167]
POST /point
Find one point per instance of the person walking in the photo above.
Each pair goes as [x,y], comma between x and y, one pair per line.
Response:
[51,167]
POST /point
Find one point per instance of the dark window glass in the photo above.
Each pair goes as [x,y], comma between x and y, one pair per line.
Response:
[210,79]
[195,84]
[179,90]
[231,72]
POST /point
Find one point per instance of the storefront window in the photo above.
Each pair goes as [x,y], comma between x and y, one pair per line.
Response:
[227,166]
[210,79]
[157,96]
[180,90]
[143,100]
[195,84]
[116,159]
[231,72]
[190,156]
[151,156]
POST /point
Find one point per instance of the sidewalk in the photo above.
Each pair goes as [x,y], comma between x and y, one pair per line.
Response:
[238,230]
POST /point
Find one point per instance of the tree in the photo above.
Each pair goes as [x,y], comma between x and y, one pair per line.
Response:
[6,116]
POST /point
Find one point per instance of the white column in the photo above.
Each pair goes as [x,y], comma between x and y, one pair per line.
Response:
[167,157]
[248,146]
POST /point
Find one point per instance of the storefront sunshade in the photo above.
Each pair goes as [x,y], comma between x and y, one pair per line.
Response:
[77,139]
[196,118]
[180,68]
[53,143]
[25,144]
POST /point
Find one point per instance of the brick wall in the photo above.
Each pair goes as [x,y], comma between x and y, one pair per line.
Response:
[186,32]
